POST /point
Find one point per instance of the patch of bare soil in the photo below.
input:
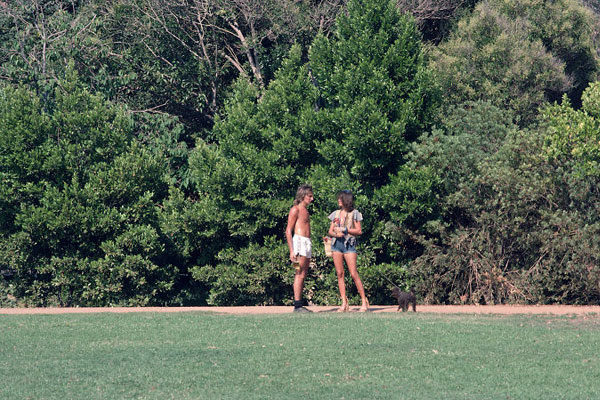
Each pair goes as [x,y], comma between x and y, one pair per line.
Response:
[438,309]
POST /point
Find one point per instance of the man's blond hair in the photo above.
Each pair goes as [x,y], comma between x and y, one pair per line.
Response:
[303,190]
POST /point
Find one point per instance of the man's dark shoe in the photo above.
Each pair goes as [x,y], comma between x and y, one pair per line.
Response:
[302,310]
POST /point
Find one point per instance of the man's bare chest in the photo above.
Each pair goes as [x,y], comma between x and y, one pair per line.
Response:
[303,216]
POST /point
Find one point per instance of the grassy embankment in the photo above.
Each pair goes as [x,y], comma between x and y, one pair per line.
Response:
[315,356]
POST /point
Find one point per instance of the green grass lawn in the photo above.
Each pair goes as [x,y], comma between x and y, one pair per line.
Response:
[315,356]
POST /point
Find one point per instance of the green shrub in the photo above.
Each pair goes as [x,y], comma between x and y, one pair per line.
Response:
[344,119]
[80,224]
[518,55]
[522,224]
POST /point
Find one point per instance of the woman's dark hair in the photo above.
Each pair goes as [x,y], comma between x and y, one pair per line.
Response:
[347,199]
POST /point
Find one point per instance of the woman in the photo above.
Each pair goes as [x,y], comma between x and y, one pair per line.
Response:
[344,228]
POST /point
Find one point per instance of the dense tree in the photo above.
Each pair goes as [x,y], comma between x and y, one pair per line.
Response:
[373,83]
[490,200]
[244,182]
[78,192]
[342,120]
[435,17]
[162,56]
[522,223]
[39,36]
[519,55]
[180,57]
[574,135]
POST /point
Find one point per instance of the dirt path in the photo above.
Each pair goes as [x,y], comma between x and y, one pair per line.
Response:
[502,310]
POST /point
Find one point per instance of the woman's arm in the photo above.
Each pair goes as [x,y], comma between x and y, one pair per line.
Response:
[334,230]
[356,230]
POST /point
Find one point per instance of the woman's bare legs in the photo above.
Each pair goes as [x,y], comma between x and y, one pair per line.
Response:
[351,262]
[338,261]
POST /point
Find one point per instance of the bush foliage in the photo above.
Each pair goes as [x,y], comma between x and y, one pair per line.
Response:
[150,150]
[519,54]
[521,225]
[78,195]
[340,120]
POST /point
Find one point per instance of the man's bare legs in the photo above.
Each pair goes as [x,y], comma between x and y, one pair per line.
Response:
[300,276]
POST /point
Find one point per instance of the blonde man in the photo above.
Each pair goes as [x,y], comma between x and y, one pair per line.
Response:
[297,234]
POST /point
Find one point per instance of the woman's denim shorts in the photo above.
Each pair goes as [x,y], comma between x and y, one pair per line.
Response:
[341,248]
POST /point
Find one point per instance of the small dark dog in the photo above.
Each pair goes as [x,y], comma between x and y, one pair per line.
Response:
[405,299]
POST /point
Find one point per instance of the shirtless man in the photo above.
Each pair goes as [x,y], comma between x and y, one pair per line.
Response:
[297,234]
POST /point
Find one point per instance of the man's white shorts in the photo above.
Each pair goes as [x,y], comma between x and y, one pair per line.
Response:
[302,246]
